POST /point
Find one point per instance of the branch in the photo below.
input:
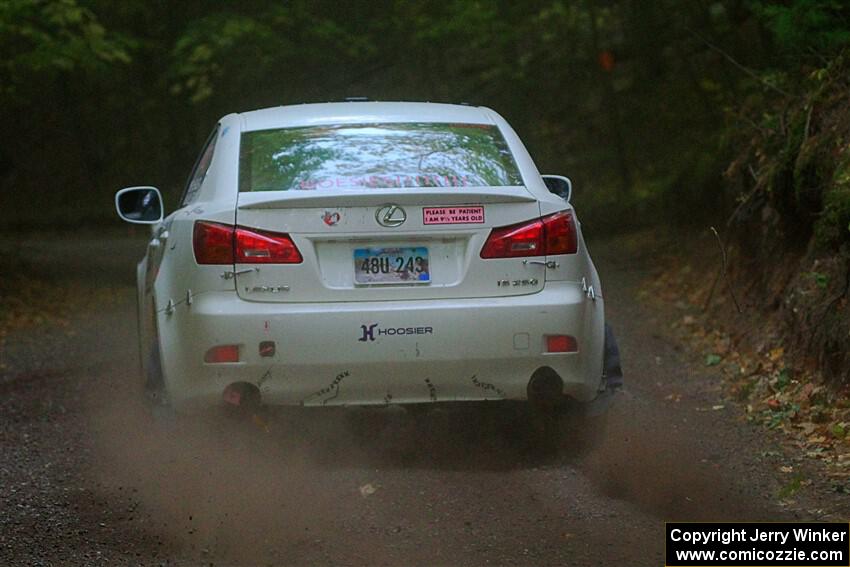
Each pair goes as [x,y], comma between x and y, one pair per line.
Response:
[725,272]
[740,66]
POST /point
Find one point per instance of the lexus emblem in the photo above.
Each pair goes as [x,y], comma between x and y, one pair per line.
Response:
[390,216]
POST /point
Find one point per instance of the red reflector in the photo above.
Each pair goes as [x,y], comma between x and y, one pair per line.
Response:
[222,353]
[553,234]
[260,247]
[267,348]
[561,343]
[213,243]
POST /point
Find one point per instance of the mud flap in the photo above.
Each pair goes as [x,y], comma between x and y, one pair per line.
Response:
[601,404]
[612,378]
[153,374]
[612,372]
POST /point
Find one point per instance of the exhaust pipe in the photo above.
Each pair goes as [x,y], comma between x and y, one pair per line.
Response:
[242,395]
[546,388]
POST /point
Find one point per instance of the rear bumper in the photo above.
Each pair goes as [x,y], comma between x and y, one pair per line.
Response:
[362,353]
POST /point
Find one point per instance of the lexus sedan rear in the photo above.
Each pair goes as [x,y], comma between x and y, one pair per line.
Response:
[367,253]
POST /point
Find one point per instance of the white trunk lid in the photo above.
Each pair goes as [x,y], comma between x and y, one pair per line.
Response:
[329,228]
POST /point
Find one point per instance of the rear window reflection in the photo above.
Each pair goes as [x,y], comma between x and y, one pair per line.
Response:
[379,156]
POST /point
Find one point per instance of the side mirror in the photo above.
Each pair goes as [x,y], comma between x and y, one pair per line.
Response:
[139,205]
[559,185]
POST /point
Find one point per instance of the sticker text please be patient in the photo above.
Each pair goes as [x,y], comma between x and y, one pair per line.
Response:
[452,215]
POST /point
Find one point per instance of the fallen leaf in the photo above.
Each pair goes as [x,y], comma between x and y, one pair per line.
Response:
[776,353]
[367,490]
[260,422]
[792,487]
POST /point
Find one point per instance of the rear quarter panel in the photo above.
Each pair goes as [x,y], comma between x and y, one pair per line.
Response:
[180,279]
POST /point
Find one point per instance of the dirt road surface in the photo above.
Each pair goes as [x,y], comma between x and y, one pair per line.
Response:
[89,479]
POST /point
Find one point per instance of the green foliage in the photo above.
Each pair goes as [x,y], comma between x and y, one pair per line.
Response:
[792,487]
[260,49]
[783,379]
[802,25]
[204,50]
[780,416]
[821,280]
[98,94]
[836,207]
[40,37]
[796,157]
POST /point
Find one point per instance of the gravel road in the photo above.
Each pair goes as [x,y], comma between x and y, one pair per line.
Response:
[89,479]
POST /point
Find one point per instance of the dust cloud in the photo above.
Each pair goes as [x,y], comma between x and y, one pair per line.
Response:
[237,489]
[291,483]
[280,484]
[665,469]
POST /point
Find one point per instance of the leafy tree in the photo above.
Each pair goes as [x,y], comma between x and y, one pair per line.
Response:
[803,26]
[39,38]
[632,99]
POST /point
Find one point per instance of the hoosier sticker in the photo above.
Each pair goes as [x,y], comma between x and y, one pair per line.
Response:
[453,215]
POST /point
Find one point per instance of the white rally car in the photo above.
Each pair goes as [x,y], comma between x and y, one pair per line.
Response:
[367,253]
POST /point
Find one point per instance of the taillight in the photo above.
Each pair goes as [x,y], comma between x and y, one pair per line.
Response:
[260,247]
[553,234]
[216,243]
[517,240]
[213,243]
[560,232]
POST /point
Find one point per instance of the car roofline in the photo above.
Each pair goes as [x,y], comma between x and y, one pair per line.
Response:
[365,112]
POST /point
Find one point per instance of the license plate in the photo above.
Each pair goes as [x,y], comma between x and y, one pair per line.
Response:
[405,265]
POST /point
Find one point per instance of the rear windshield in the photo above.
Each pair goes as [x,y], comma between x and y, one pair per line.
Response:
[355,156]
